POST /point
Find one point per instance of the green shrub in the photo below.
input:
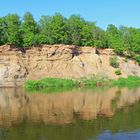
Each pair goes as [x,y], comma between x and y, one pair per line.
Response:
[65,83]
[130,81]
[118,72]
[56,84]
[114,62]
[50,82]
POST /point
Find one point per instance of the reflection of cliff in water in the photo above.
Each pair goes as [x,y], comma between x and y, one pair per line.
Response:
[16,107]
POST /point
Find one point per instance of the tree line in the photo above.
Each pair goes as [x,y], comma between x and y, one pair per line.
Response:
[75,30]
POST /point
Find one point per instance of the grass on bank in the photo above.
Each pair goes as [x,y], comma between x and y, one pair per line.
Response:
[130,81]
[56,83]
[50,82]
[66,83]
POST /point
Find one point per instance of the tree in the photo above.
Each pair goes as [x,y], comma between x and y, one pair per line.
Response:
[30,30]
[114,38]
[75,25]
[13,23]
[126,38]
[135,40]
[74,31]
[3,33]
[131,40]
[53,29]
[45,31]
[87,38]
[99,37]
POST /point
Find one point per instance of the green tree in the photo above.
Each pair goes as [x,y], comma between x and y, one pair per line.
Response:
[131,41]
[59,28]
[126,38]
[13,23]
[135,40]
[87,38]
[74,31]
[3,33]
[75,25]
[30,31]
[114,38]
[99,37]
[45,31]
[53,29]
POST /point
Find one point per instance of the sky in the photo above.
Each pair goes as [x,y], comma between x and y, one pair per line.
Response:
[103,12]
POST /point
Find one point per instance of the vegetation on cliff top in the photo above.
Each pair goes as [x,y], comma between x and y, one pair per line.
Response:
[131,81]
[74,30]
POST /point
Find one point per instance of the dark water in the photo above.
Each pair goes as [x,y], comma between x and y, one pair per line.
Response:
[82,114]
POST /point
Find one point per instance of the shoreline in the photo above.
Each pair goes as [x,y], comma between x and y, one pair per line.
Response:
[130,81]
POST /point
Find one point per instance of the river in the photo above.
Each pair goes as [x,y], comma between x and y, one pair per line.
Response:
[77,114]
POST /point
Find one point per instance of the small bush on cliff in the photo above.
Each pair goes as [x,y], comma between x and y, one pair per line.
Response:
[118,72]
[114,62]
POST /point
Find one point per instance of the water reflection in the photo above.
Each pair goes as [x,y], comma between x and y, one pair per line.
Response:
[17,107]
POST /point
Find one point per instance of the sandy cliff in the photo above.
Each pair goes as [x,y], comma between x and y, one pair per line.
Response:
[61,61]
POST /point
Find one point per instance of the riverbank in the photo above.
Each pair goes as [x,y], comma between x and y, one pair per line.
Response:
[61,61]
[130,81]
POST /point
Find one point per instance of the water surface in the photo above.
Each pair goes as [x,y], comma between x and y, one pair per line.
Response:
[81,114]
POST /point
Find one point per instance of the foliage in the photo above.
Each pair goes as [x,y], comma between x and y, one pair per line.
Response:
[94,81]
[113,62]
[53,84]
[53,29]
[63,83]
[3,32]
[29,30]
[114,38]
[118,72]
[78,30]
[131,81]
[74,30]
[49,82]
[13,29]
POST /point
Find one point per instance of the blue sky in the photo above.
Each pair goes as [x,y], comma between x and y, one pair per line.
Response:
[104,12]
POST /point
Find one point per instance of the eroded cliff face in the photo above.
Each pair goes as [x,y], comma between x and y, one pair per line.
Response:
[13,70]
[61,61]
